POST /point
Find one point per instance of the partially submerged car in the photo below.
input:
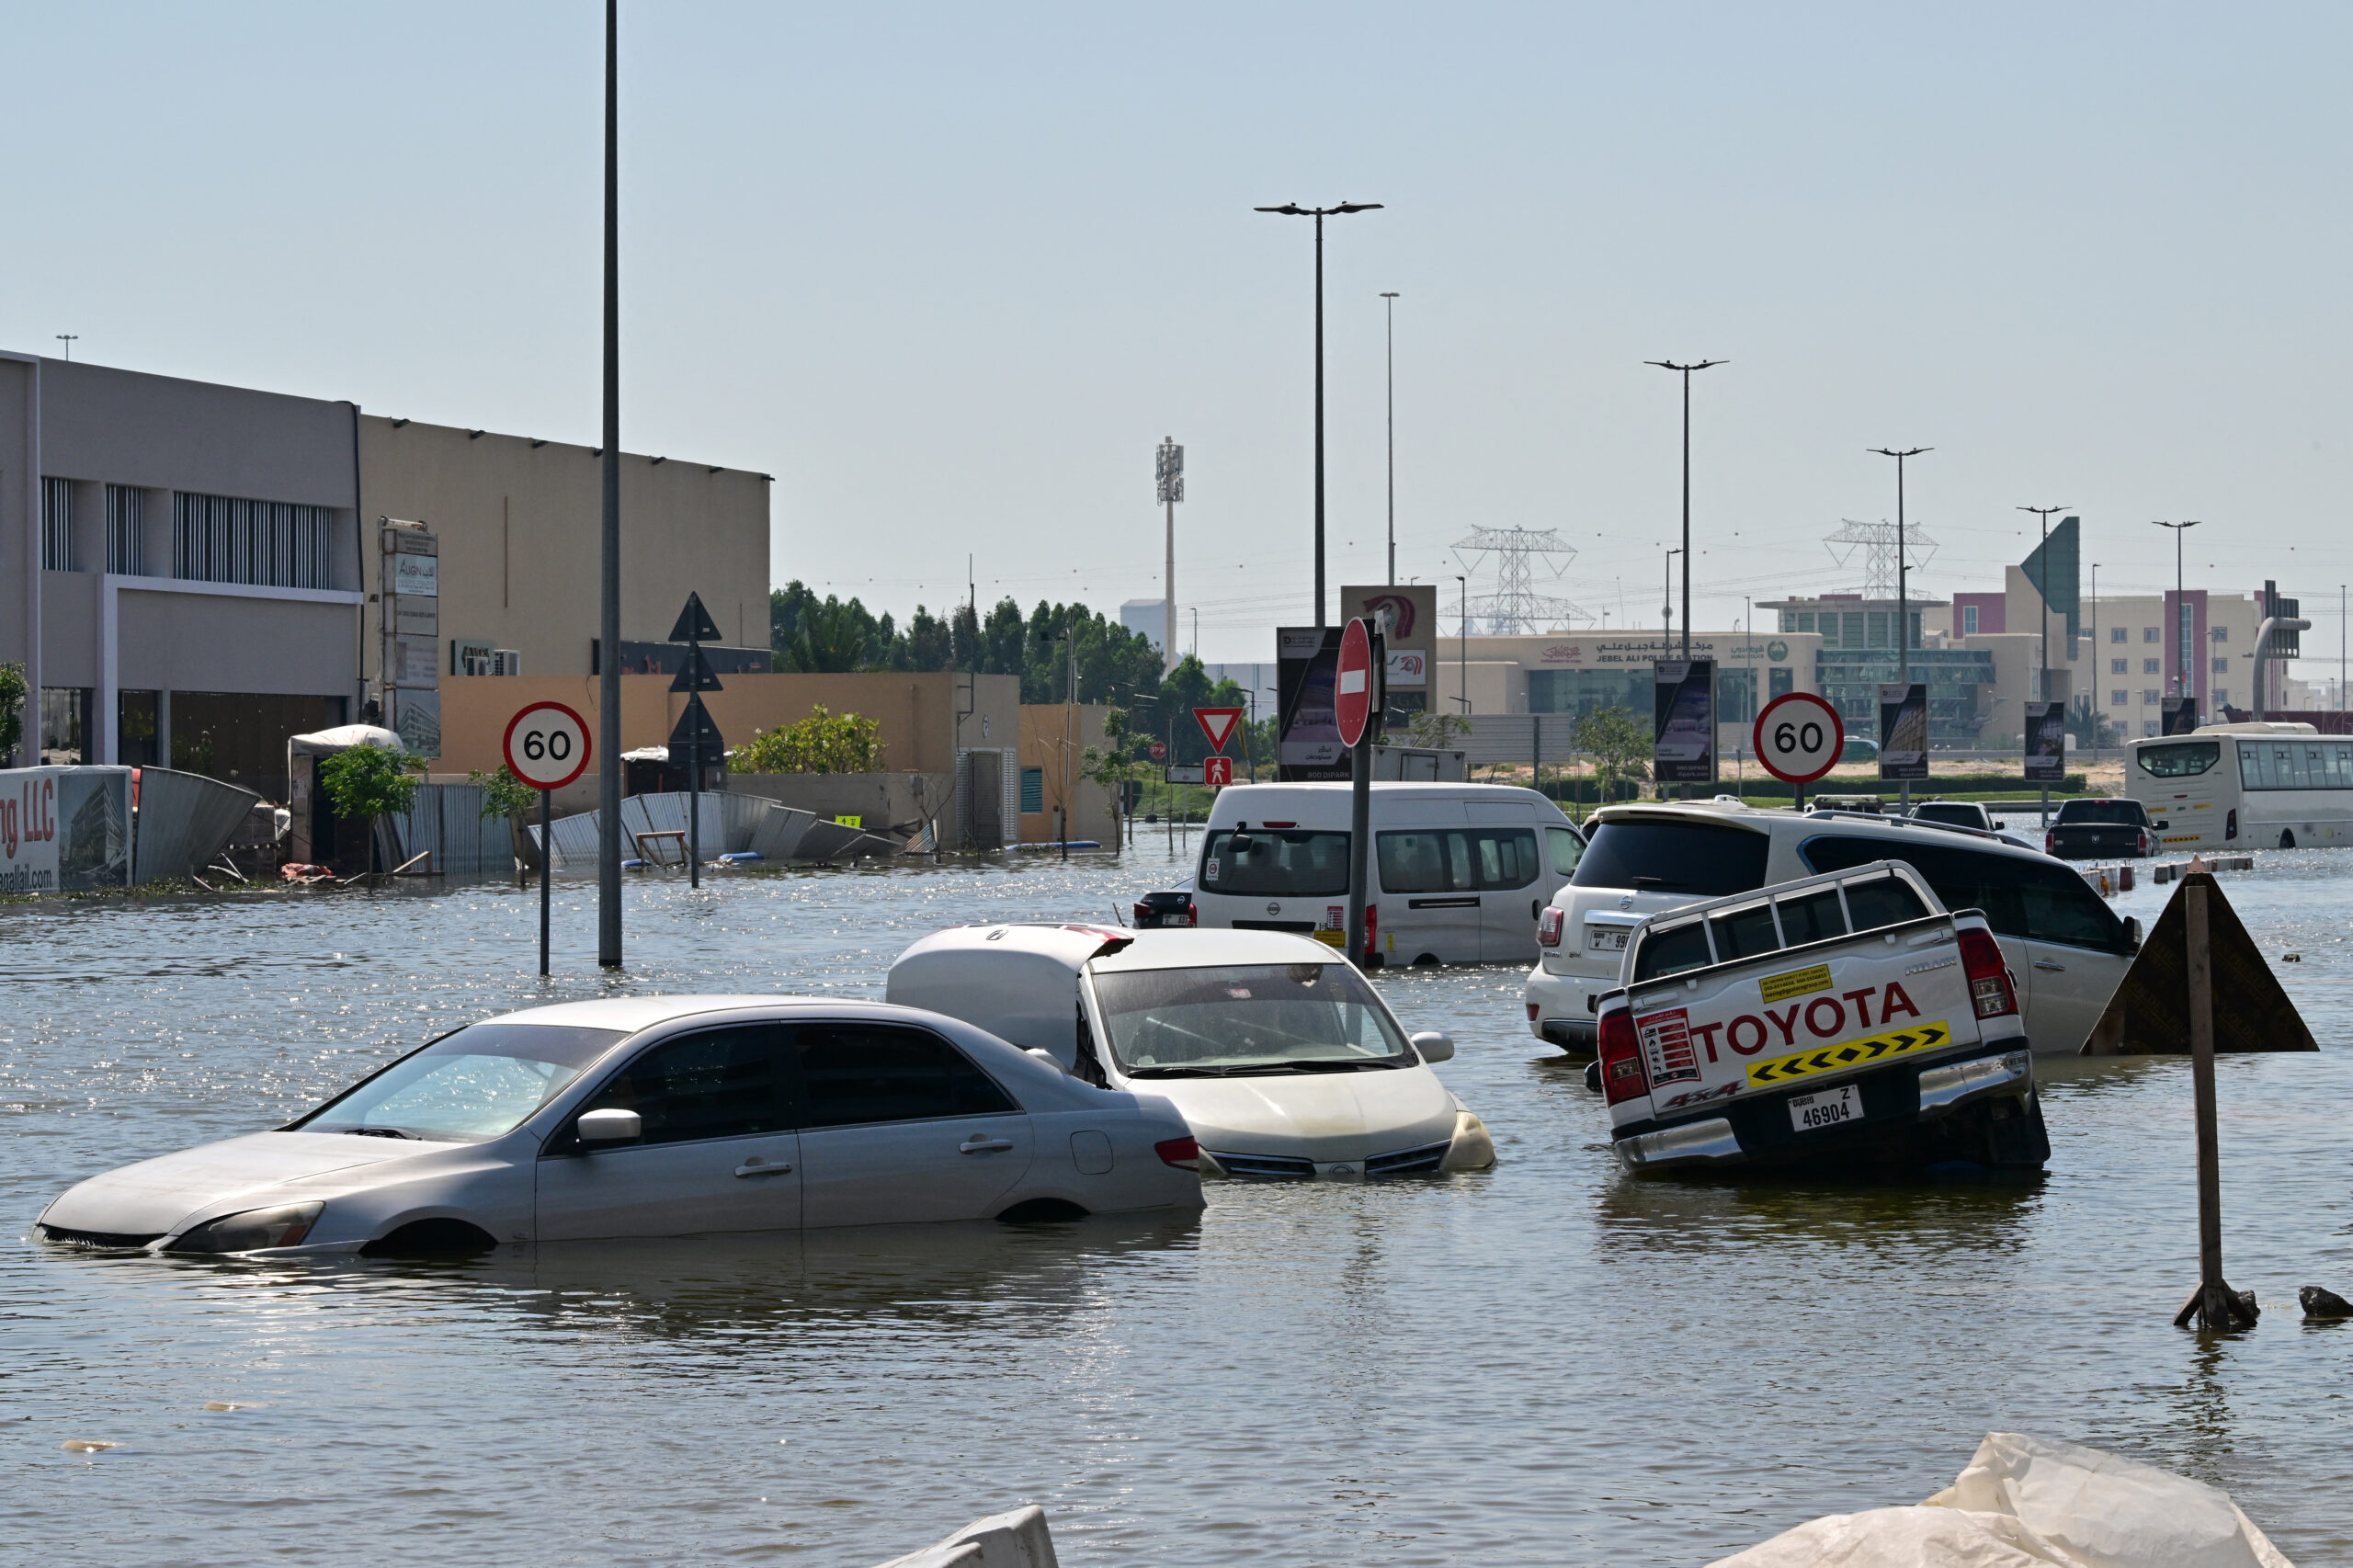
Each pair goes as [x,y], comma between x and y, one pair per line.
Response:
[657,1117]
[2093,829]
[1842,1022]
[1283,1061]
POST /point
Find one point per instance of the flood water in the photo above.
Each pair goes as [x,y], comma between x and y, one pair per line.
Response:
[1548,1363]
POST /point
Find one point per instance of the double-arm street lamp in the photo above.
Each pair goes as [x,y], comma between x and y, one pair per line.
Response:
[2042,621]
[2183,684]
[1294,210]
[1685,371]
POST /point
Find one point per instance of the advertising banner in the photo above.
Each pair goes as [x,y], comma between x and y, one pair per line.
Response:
[2180,716]
[64,829]
[1306,676]
[1903,732]
[1683,750]
[2046,743]
[1406,616]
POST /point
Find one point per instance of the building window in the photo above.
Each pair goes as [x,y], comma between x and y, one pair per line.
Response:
[123,515]
[2220,634]
[277,544]
[1033,789]
[1805,621]
[2223,696]
[64,724]
[2151,667]
[2149,726]
[2118,666]
[1735,695]
[2150,698]
[2153,634]
[1780,680]
[2118,634]
[2119,698]
[57,524]
[2223,665]
[1969,620]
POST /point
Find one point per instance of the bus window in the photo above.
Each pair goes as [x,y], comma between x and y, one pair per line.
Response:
[2186,759]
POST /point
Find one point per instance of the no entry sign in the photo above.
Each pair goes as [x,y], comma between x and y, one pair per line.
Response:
[1799,737]
[1352,684]
[547,745]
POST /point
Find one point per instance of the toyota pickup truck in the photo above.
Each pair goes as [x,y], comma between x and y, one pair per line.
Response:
[1847,1022]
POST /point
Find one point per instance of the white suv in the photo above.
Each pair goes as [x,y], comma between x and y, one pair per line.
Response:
[2068,950]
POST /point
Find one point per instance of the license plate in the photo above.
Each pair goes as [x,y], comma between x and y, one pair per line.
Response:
[1605,939]
[1826,1108]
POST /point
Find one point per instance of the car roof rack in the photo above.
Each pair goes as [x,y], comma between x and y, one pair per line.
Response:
[1928,823]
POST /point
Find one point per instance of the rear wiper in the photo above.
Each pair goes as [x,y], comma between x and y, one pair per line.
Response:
[1656,883]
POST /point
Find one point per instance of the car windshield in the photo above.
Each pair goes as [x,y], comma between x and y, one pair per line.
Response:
[1694,858]
[1236,1020]
[477,1083]
[2124,813]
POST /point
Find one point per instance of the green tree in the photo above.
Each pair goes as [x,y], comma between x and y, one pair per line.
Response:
[1619,745]
[1435,730]
[502,794]
[2089,726]
[13,692]
[818,743]
[369,782]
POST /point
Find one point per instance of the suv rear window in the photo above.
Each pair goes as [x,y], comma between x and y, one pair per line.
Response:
[2112,813]
[2020,897]
[1279,862]
[1695,858]
[1959,813]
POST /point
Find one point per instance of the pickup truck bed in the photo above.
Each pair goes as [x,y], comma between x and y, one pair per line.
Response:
[1736,1040]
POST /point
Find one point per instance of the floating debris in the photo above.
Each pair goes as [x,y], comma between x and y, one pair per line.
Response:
[87,1446]
[230,1404]
[2322,1303]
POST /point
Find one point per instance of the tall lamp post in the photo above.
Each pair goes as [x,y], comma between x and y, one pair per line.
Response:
[608,620]
[1686,373]
[2181,682]
[2042,620]
[2091,700]
[1294,210]
[1391,367]
[1904,596]
[1462,647]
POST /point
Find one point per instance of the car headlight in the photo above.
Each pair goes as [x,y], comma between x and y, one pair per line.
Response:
[251,1231]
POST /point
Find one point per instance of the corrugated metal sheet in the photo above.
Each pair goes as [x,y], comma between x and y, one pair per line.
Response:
[446,820]
[780,832]
[729,820]
[185,819]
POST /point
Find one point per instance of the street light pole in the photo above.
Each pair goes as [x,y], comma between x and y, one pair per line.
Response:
[2042,620]
[1294,210]
[1903,604]
[1391,295]
[1685,371]
[608,668]
[2180,677]
[1463,648]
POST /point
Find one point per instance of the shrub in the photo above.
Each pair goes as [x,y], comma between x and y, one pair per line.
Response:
[819,744]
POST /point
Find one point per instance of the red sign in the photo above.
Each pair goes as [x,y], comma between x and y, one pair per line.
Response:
[1352,688]
[547,745]
[1799,737]
[1217,723]
[1160,751]
[1217,772]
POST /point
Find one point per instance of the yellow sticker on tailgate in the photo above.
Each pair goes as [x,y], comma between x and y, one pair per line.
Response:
[1852,1053]
[1797,983]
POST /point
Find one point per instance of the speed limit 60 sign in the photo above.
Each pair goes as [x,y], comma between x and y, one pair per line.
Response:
[547,745]
[1799,737]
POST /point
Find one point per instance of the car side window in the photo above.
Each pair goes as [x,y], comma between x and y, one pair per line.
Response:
[1813,917]
[1506,857]
[2020,897]
[1566,848]
[854,1073]
[1415,862]
[2061,908]
[1746,933]
[1672,951]
[1882,900]
[723,1083]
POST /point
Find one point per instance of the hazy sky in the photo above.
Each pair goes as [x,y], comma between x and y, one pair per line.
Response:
[949,273]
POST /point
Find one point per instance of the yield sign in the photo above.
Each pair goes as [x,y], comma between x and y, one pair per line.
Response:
[1217,723]
[1352,693]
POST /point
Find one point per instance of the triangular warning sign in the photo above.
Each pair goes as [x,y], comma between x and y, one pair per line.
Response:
[694,624]
[1217,723]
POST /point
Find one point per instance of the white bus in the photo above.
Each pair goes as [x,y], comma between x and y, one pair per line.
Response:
[2245,787]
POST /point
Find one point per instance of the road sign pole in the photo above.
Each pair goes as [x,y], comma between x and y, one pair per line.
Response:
[547,857]
[1359,839]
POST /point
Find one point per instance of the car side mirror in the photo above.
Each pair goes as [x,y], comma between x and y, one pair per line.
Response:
[1433,1047]
[2132,933]
[1047,1057]
[609,1126]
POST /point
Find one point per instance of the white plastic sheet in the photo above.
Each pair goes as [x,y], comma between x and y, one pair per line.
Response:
[2034,1503]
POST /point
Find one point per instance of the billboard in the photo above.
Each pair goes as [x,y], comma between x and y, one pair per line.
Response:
[2180,716]
[1903,732]
[1306,673]
[2046,743]
[1683,748]
[64,829]
[1405,614]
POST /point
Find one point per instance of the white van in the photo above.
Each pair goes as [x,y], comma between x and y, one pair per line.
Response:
[1464,869]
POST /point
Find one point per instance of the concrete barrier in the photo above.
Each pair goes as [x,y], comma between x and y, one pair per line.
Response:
[1015,1539]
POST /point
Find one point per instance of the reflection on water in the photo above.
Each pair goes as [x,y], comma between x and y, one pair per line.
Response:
[1545,1363]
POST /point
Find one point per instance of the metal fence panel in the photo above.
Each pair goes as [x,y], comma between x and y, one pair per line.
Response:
[184,820]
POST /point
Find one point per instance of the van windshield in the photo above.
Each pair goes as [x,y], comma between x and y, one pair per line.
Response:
[1279,862]
[1247,1019]
[1697,859]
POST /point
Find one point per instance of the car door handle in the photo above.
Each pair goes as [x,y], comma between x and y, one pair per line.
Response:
[762,1167]
[981,1143]
[2053,968]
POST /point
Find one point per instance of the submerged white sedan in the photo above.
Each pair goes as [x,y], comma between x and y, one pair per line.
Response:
[660,1117]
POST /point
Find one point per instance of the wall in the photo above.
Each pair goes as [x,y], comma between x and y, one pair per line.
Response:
[518,522]
[1044,748]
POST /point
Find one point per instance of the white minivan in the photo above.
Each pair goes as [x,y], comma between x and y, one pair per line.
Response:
[1464,869]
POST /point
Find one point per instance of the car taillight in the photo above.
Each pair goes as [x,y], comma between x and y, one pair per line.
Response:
[1535,1011]
[2051,841]
[1548,925]
[1192,915]
[1185,1154]
[1621,1058]
[2141,841]
[1989,975]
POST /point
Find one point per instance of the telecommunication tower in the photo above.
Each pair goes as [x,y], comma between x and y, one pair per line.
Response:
[1516,608]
